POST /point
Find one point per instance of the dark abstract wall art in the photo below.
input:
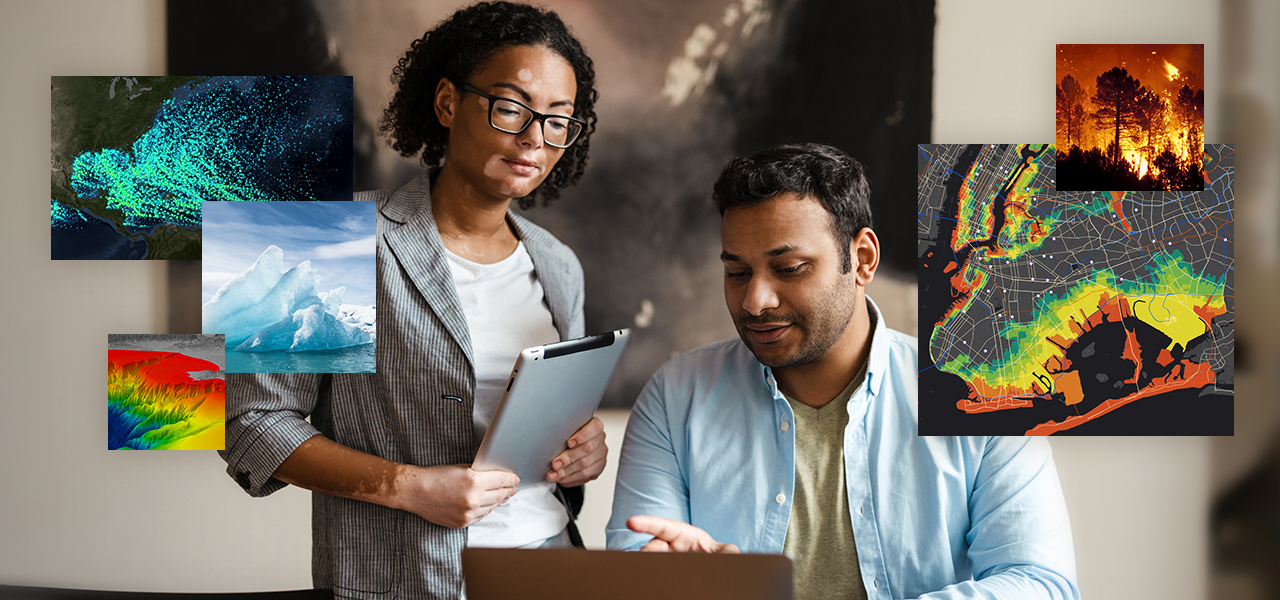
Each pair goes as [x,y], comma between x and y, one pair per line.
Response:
[684,87]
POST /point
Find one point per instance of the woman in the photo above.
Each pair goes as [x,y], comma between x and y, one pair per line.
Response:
[503,94]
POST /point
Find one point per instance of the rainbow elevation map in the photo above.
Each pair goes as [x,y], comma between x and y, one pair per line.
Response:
[1090,313]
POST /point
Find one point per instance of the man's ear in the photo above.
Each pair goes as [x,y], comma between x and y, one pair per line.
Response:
[446,101]
[864,248]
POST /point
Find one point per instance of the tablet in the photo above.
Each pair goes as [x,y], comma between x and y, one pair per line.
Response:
[553,391]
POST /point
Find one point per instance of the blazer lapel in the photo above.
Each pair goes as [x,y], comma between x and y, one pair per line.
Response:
[417,248]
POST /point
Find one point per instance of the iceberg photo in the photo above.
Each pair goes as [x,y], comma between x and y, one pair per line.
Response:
[282,319]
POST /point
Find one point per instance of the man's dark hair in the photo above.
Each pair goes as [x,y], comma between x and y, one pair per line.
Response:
[837,181]
[456,49]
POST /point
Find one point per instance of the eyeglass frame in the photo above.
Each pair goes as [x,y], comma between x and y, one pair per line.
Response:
[537,116]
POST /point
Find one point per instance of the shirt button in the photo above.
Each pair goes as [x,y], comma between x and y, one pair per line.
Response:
[859,510]
[786,426]
[875,583]
[781,498]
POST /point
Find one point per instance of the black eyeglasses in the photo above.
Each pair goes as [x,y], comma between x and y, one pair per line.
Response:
[508,116]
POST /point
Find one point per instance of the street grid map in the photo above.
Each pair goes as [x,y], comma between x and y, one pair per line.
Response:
[1098,312]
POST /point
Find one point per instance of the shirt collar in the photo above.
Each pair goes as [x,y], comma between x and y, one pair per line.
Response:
[878,358]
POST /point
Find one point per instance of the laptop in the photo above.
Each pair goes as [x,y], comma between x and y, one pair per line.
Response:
[563,574]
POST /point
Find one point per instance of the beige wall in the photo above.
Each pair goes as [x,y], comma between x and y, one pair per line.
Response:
[1138,506]
[74,515]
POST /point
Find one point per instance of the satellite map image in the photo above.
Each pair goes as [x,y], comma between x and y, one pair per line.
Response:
[1091,313]
[132,158]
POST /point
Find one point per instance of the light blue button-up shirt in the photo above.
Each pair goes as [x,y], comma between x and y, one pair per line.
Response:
[710,442]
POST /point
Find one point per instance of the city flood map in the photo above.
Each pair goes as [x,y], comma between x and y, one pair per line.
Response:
[1088,313]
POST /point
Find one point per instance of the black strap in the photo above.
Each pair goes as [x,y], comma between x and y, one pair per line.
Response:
[572,499]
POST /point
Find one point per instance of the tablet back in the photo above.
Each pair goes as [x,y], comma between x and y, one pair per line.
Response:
[500,573]
[553,391]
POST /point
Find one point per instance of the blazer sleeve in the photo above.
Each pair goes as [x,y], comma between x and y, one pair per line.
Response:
[266,422]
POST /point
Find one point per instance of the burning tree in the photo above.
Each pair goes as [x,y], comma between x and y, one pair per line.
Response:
[1071,108]
[1117,99]
[1151,118]
[1190,112]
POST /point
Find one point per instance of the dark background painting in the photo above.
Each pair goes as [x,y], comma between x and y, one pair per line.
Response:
[685,86]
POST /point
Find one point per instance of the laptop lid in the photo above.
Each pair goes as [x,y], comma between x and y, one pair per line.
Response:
[509,573]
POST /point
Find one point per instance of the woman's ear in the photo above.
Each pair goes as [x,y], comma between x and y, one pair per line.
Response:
[446,101]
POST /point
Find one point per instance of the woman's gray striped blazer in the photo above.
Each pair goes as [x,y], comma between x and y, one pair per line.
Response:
[416,409]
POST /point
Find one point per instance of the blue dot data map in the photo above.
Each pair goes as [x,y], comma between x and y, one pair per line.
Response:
[132,158]
[1088,313]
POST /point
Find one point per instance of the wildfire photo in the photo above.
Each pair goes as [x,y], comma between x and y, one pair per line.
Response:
[1130,117]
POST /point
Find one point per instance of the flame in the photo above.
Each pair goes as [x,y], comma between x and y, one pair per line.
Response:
[1171,70]
[1136,159]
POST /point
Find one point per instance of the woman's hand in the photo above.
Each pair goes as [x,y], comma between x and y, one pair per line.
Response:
[585,457]
[448,495]
[452,495]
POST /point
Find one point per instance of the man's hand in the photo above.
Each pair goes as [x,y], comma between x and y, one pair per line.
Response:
[584,459]
[452,495]
[674,536]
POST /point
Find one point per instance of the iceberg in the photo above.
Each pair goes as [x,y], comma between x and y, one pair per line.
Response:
[364,317]
[308,329]
[332,300]
[264,310]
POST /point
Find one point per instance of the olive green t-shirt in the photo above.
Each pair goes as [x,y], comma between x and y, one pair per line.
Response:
[820,532]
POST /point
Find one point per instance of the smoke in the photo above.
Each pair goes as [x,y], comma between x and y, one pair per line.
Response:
[1145,62]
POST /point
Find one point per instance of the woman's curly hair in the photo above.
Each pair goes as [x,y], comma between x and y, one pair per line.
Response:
[457,48]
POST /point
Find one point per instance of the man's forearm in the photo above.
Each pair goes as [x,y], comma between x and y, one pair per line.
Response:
[1027,581]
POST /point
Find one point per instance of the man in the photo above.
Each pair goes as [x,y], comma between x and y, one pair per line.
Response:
[801,436]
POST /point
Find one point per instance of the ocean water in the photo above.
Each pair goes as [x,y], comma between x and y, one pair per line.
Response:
[94,240]
[354,359]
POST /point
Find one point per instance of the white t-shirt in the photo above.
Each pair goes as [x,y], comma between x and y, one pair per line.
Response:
[503,303]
